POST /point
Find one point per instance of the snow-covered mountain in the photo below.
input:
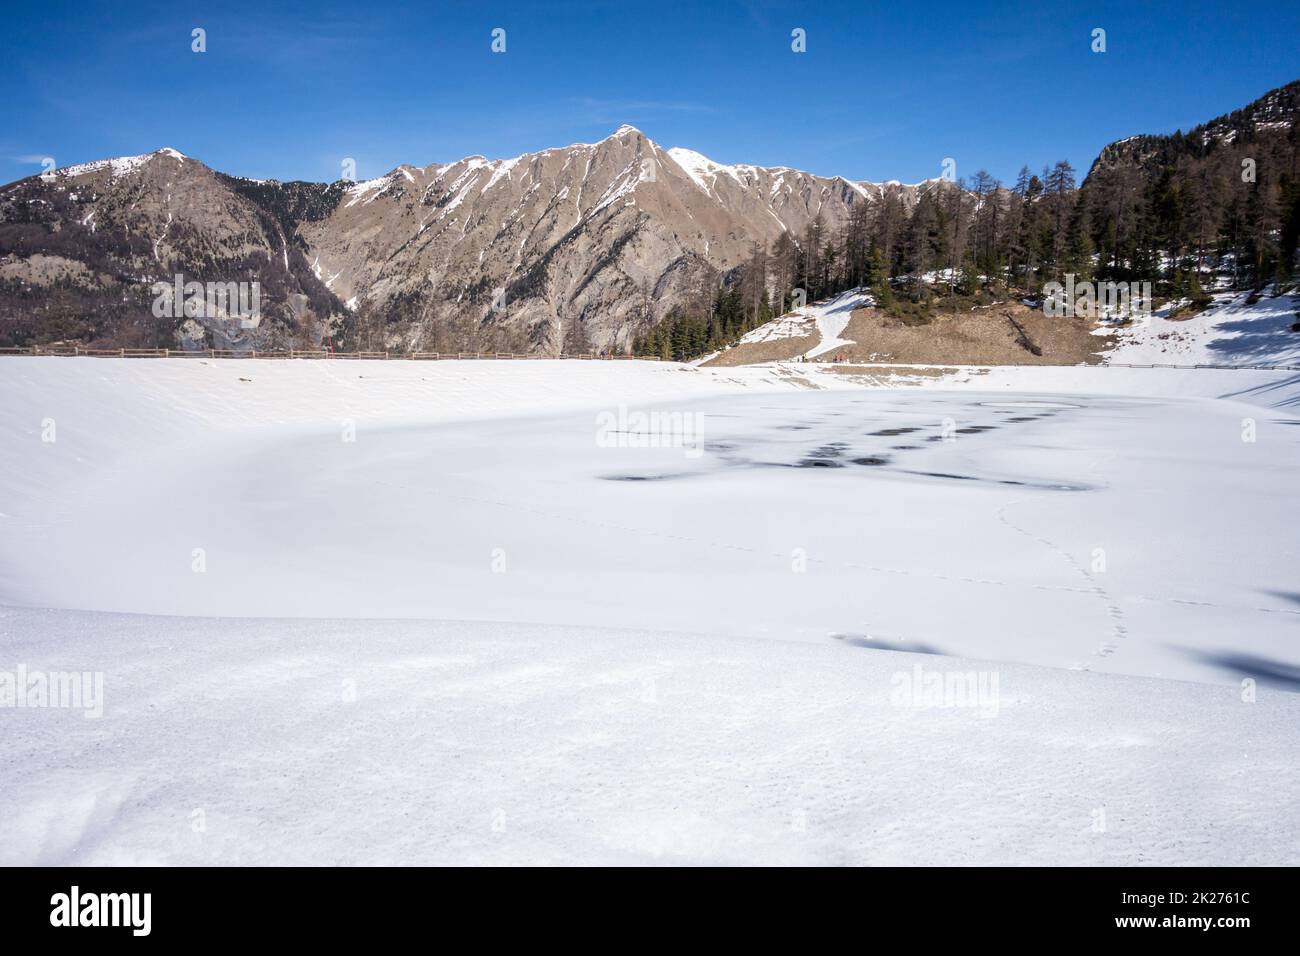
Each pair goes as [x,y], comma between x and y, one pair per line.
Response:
[566,249]
[592,242]
[591,234]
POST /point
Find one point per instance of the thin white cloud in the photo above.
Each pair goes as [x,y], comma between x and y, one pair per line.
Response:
[614,110]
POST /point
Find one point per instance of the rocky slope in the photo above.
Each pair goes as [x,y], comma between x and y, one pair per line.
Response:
[81,248]
[1252,130]
[589,243]
[567,249]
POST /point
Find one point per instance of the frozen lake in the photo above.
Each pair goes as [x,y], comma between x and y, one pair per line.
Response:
[1135,535]
[385,612]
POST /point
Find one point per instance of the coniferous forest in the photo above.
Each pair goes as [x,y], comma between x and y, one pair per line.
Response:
[1219,205]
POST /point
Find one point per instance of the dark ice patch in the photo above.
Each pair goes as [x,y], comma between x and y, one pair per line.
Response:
[884,644]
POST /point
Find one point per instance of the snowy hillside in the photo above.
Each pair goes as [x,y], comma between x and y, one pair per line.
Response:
[832,318]
[822,320]
[1232,331]
[469,613]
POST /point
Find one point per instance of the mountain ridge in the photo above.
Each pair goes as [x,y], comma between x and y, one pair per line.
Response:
[606,237]
[574,248]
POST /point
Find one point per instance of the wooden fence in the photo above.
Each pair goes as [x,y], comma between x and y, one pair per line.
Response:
[79,351]
[1267,368]
[957,368]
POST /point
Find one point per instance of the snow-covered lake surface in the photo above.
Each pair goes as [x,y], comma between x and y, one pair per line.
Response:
[449,612]
[383,742]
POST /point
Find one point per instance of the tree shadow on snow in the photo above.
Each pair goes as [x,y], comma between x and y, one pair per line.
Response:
[1266,671]
[1292,596]
[1284,385]
[1256,338]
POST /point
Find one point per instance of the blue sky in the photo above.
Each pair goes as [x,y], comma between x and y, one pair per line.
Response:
[884,91]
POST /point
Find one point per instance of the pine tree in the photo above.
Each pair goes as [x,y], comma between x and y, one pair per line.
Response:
[878,277]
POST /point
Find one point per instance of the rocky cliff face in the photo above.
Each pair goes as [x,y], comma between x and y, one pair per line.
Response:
[588,243]
[576,248]
[1255,128]
[605,236]
[81,250]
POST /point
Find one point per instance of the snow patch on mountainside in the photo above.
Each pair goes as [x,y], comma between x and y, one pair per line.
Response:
[702,170]
[824,319]
[501,170]
[792,326]
[833,317]
[121,165]
[1231,331]
[367,191]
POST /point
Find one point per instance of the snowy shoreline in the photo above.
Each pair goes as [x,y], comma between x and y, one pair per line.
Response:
[310,576]
[385,742]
